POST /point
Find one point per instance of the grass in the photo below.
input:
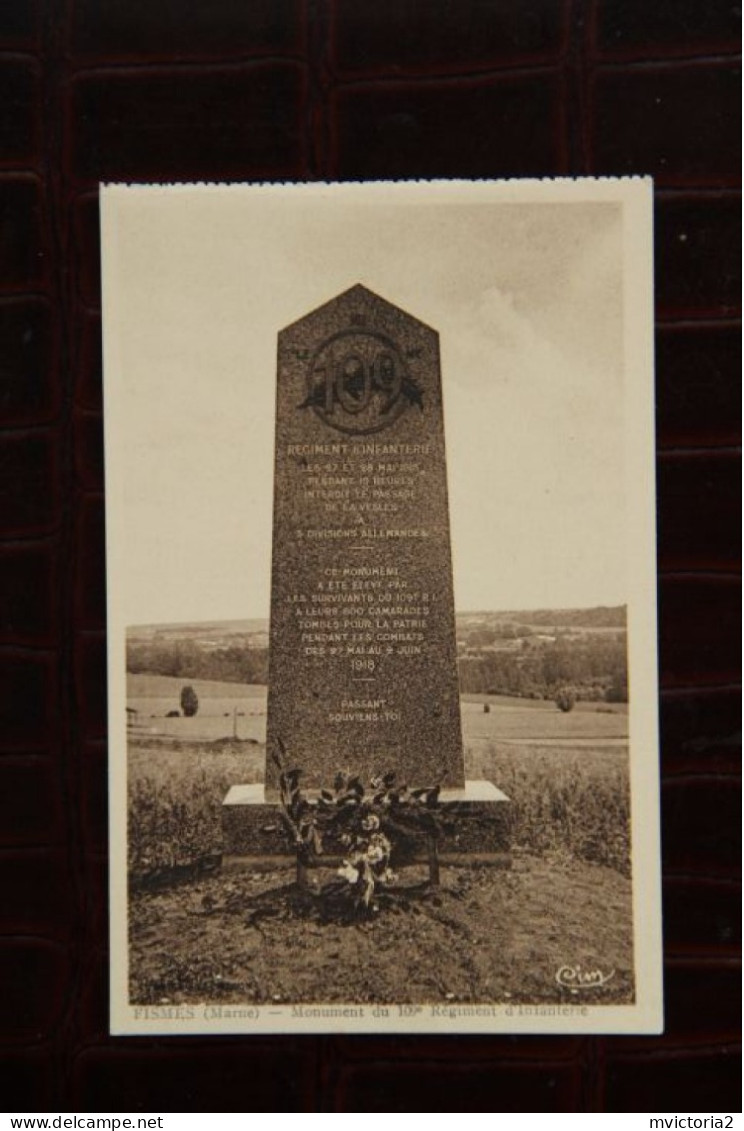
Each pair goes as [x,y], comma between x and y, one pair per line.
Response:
[569,792]
[142,685]
[238,709]
[576,804]
[483,936]
[533,719]
[175,801]
[226,710]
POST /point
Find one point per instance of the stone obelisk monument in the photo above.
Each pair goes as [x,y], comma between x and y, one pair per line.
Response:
[362,648]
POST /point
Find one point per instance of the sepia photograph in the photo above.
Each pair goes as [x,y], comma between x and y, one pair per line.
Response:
[380,512]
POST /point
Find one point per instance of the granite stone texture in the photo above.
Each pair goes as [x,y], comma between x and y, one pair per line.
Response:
[362,653]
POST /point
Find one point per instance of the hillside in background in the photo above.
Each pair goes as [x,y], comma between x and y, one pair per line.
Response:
[531,654]
[601,616]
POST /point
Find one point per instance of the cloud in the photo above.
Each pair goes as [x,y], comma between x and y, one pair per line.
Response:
[535,463]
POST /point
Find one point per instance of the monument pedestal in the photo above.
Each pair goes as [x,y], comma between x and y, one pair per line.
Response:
[254,835]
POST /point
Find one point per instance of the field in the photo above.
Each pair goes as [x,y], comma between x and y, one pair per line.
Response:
[226,710]
[198,933]
[566,774]
[238,710]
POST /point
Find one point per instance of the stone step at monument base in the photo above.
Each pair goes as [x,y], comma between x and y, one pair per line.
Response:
[254,835]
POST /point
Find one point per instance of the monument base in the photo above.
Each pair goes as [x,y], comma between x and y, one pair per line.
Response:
[477,818]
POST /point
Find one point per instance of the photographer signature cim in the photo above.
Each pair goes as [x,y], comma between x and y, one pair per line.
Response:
[577,978]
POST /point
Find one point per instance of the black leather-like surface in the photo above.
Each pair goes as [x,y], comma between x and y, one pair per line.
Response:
[220,89]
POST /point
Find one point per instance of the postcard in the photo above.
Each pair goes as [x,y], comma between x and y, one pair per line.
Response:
[381,575]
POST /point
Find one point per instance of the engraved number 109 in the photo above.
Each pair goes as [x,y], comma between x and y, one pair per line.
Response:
[352,381]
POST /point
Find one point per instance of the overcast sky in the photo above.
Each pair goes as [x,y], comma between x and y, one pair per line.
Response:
[528,303]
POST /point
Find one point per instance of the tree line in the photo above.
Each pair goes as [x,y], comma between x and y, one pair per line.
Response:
[186,659]
[601,616]
[592,667]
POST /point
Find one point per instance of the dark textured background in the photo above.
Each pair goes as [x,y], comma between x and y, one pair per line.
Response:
[231,89]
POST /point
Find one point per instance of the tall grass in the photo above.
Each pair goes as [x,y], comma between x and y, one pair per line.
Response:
[575,804]
[175,797]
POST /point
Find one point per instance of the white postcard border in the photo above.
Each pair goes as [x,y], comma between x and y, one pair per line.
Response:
[646,1015]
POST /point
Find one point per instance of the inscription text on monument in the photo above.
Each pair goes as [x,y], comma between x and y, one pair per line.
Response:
[362,670]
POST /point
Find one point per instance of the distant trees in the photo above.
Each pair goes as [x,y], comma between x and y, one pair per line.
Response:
[189,701]
[592,666]
[601,616]
[565,700]
[507,658]
[485,636]
[618,691]
[188,660]
[481,637]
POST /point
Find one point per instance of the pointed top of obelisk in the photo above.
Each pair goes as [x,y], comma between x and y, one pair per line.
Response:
[360,303]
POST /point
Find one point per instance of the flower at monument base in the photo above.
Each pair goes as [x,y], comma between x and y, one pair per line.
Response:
[348,872]
[370,823]
[375,854]
[388,876]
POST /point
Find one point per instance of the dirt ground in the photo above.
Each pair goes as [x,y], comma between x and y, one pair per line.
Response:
[484,935]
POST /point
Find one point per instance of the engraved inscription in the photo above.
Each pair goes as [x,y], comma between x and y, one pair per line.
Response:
[362,664]
[358,382]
